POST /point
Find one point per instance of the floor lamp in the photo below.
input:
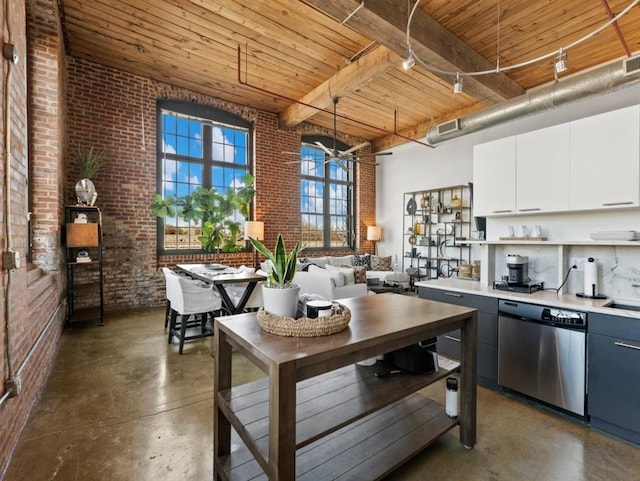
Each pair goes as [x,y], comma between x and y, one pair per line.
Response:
[255,229]
[374,234]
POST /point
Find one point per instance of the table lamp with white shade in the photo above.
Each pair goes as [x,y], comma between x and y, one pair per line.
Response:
[374,234]
[255,229]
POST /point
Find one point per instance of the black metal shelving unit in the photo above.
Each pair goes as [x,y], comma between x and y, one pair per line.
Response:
[436,226]
[85,289]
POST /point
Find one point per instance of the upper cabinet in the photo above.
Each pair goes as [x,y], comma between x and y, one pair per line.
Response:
[542,170]
[494,174]
[605,165]
[588,164]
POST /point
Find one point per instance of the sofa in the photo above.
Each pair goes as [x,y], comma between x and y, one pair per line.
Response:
[327,285]
[378,269]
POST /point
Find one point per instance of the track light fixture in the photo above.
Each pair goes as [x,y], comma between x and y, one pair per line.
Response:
[409,62]
[561,61]
[457,84]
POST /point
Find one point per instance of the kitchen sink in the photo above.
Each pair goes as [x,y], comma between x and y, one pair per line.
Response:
[626,305]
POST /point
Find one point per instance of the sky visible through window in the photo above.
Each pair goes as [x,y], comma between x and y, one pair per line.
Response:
[324,200]
[198,152]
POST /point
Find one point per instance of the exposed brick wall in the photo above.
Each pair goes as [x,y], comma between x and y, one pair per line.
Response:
[37,120]
[106,110]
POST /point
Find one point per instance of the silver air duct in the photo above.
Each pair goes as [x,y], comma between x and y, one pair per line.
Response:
[597,81]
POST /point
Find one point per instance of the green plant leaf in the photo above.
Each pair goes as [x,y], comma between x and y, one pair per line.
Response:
[214,210]
[283,265]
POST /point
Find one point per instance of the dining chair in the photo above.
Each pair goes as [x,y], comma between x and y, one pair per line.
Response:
[188,298]
[236,291]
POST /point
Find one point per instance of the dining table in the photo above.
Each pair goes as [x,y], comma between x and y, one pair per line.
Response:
[221,277]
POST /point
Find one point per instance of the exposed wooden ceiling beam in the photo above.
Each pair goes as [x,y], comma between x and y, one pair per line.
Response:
[347,80]
[385,21]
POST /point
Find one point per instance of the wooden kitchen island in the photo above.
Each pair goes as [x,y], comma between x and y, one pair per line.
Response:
[317,416]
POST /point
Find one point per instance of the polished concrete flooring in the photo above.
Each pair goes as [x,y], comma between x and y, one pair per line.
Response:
[121,404]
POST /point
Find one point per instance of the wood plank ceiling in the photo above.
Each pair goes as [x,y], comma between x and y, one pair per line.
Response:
[304,52]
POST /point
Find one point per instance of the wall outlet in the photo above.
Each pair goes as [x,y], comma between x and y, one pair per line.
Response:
[578,262]
[13,386]
[10,260]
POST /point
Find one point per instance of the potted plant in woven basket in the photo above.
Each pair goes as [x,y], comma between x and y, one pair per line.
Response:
[279,294]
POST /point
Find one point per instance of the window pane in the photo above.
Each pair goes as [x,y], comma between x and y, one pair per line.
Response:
[337,171]
[169,144]
[312,231]
[169,123]
[325,195]
[181,137]
[240,156]
[195,148]
[183,127]
[183,146]
[169,171]
[339,232]
[312,197]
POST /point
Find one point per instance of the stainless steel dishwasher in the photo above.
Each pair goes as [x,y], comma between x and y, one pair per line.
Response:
[541,353]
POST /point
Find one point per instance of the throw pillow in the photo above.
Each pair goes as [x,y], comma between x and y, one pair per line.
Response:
[341,261]
[349,276]
[337,278]
[379,263]
[360,274]
[362,260]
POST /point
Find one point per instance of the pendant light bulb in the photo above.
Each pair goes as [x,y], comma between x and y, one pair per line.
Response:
[457,84]
[409,62]
[561,63]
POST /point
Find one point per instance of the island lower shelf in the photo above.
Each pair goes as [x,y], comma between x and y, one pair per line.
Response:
[346,419]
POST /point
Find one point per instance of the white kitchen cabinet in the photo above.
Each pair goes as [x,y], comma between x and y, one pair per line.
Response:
[543,170]
[605,160]
[494,174]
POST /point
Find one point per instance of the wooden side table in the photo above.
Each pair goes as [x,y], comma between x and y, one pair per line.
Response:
[317,415]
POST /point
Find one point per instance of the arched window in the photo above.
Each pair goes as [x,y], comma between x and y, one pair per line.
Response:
[326,196]
[198,146]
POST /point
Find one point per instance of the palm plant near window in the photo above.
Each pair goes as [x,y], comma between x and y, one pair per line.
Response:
[215,209]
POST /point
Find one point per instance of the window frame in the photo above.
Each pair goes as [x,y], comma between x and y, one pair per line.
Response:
[205,112]
[309,140]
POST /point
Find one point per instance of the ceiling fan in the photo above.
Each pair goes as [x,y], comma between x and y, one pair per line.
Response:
[342,156]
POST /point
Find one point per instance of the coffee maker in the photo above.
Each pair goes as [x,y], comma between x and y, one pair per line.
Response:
[517,279]
[518,267]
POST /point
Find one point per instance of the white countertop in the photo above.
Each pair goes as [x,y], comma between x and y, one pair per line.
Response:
[567,301]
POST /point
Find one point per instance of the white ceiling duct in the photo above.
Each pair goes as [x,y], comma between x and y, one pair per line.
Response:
[597,81]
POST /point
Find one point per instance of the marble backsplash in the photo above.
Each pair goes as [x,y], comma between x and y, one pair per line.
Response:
[618,267]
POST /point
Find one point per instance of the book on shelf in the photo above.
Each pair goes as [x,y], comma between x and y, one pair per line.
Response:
[83,259]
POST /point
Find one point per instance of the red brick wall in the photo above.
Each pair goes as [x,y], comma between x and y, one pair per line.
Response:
[106,110]
[36,313]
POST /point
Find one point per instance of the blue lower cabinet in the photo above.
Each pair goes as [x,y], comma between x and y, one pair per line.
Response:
[449,343]
[614,385]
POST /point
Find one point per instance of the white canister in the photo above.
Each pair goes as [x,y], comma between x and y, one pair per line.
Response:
[451,398]
[319,309]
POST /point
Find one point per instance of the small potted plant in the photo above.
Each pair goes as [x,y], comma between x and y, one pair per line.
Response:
[91,161]
[279,294]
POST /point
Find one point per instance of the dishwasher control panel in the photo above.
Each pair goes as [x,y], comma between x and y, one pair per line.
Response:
[544,314]
[561,316]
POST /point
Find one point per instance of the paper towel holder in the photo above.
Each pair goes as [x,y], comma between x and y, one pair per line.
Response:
[593,294]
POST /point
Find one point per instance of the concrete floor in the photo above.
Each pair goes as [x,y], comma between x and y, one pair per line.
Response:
[121,404]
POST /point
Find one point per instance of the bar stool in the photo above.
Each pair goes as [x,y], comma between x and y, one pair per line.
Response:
[186,297]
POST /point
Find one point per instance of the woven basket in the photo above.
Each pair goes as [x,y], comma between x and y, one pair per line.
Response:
[304,326]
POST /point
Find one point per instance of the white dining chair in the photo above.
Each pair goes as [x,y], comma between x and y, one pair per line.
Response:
[236,291]
[185,298]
